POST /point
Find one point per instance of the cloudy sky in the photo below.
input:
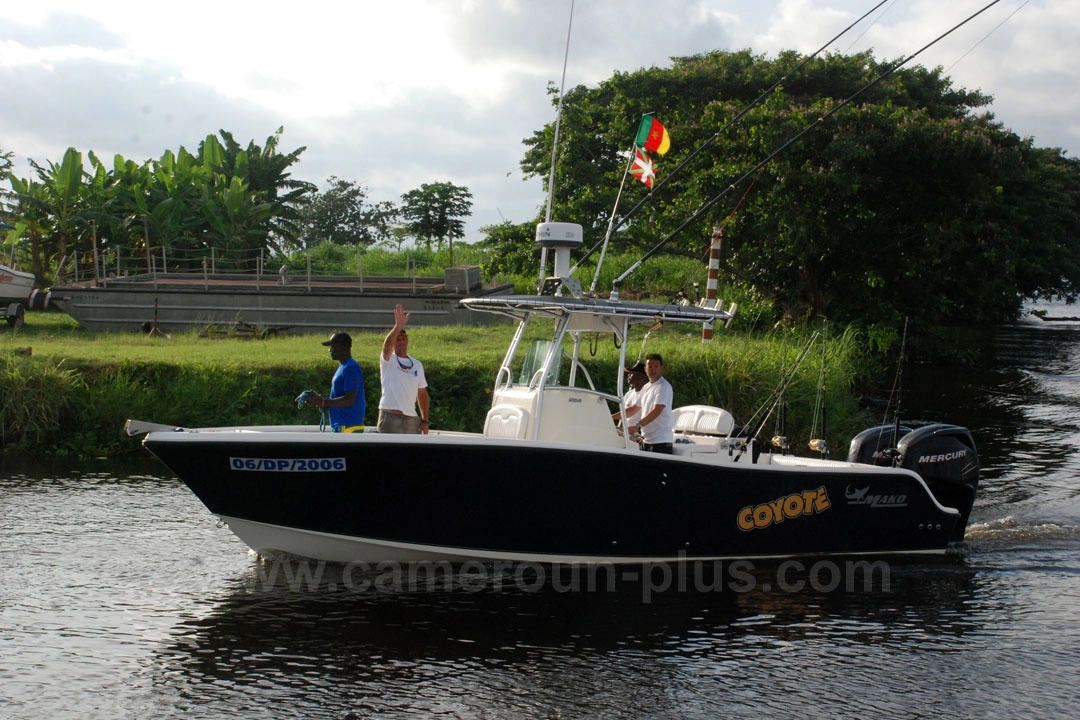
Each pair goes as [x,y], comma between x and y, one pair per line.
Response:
[393,94]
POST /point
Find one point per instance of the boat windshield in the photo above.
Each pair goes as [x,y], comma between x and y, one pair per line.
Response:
[536,354]
[546,352]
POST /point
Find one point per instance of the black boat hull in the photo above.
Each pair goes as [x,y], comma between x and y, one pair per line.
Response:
[375,498]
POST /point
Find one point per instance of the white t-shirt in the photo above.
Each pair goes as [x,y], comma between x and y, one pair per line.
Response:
[630,398]
[659,430]
[401,378]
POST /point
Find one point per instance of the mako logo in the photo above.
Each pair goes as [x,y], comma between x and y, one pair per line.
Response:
[789,507]
[862,496]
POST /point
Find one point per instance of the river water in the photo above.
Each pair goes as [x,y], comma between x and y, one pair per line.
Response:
[121,598]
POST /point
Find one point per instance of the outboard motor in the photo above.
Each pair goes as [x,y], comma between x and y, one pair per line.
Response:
[945,457]
[874,446]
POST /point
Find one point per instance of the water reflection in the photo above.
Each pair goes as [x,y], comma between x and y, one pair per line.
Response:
[566,650]
[1022,404]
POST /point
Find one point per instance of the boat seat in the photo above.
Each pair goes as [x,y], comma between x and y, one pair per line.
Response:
[506,421]
[702,420]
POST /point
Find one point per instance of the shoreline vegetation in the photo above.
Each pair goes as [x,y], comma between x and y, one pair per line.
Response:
[67,391]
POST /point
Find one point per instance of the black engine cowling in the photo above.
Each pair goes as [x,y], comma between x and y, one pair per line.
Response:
[873,445]
[943,455]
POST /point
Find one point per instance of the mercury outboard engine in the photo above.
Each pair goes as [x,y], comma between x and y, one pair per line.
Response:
[943,455]
[877,445]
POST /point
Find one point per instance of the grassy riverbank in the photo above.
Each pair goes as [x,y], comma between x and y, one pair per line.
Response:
[66,391]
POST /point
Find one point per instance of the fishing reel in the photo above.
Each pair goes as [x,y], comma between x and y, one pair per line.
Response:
[781,442]
[819,445]
[893,455]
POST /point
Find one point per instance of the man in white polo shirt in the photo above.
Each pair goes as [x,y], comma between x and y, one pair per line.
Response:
[404,387]
[655,425]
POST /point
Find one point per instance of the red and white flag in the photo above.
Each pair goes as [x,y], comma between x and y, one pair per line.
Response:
[643,168]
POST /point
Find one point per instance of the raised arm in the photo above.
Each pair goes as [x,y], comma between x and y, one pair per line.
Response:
[401,319]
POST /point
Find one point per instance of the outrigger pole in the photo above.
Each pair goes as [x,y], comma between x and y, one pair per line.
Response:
[614,224]
[617,283]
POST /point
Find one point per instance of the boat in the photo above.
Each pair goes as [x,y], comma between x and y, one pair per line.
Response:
[221,302]
[15,289]
[551,479]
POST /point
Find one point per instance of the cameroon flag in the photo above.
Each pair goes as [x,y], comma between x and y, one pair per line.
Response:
[652,135]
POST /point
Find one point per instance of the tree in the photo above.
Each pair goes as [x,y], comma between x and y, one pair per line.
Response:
[889,207]
[512,248]
[340,214]
[28,209]
[435,211]
[62,198]
[380,220]
[226,194]
[263,172]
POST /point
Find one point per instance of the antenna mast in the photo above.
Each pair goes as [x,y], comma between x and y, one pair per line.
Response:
[555,142]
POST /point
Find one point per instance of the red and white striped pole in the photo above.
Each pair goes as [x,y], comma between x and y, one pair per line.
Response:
[710,287]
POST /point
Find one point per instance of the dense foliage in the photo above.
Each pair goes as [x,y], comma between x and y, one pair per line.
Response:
[341,214]
[225,195]
[905,203]
[436,212]
[241,202]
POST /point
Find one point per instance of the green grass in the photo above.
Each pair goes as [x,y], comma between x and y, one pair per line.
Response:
[56,337]
[67,391]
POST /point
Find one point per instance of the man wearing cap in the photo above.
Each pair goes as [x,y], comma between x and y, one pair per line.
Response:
[404,387]
[347,403]
[636,378]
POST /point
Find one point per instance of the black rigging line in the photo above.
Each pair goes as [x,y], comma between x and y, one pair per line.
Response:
[984,37]
[791,141]
[876,21]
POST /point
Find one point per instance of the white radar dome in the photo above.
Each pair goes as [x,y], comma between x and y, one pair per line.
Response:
[559,235]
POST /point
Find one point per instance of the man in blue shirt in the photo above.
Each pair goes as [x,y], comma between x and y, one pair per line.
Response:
[347,402]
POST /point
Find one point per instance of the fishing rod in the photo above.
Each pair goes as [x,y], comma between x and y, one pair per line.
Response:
[779,439]
[819,443]
[617,283]
[615,224]
[761,416]
[894,455]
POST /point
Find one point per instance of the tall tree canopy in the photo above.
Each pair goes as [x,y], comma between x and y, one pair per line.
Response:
[437,212]
[341,214]
[908,202]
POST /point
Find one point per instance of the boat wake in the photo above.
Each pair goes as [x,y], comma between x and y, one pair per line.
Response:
[1050,376]
[1010,531]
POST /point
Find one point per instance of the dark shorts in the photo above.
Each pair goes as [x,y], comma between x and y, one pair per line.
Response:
[664,448]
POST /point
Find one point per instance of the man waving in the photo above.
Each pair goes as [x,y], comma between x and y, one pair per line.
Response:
[404,387]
